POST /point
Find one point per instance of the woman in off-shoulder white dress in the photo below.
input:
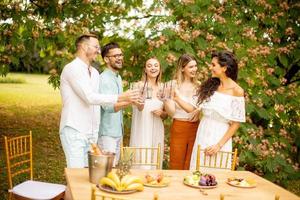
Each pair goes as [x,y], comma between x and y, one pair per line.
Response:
[221,101]
[147,129]
[218,114]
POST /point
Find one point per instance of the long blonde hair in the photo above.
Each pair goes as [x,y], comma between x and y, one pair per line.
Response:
[144,75]
[183,60]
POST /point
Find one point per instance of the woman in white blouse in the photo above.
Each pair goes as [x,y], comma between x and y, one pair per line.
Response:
[147,129]
[184,126]
[222,103]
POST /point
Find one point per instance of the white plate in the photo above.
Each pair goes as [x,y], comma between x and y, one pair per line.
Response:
[240,186]
[108,189]
[200,186]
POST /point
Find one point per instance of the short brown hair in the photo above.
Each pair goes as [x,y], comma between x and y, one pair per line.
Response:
[107,47]
[83,38]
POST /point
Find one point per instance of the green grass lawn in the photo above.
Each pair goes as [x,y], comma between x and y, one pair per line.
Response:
[35,105]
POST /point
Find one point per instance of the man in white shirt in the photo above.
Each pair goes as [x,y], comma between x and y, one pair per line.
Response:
[80,117]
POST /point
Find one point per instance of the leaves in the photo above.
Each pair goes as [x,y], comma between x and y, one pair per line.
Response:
[262,113]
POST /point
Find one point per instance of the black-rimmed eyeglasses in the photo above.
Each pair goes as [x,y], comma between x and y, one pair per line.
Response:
[116,55]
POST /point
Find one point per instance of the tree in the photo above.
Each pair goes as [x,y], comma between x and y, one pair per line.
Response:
[38,35]
[265,37]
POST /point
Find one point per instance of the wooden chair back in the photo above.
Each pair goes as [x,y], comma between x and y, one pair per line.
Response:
[145,156]
[18,152]
[221,160]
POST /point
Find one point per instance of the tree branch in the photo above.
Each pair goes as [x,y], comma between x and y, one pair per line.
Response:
[135,17]
[291,73]
[37,5]
[294,81]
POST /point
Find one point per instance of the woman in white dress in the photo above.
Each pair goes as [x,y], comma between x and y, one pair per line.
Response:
[147,129]
[222,103]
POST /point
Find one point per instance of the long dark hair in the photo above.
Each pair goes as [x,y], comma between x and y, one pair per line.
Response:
[225,59]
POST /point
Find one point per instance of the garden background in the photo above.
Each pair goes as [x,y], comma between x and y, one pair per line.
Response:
[37,37]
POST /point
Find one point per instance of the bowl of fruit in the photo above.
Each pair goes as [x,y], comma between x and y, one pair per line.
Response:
[114,184]
[199,180]
[156,180]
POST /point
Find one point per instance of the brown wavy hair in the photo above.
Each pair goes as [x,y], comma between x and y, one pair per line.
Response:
[225,59]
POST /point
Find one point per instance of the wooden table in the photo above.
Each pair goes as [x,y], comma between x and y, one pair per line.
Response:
[80,187]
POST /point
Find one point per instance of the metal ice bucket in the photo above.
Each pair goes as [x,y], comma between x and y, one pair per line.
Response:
[99,166]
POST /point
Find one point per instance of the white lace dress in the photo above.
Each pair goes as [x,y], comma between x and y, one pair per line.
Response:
[217,114]
[147,130]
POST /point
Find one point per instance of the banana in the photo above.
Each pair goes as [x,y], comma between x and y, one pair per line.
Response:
[135,186]
[120,188]
[115,178]
[128,180]
[109,182]
[124,180]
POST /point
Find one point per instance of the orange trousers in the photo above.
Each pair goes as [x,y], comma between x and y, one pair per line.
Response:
[182,138]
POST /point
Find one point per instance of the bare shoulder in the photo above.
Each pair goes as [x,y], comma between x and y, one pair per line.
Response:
[238,91]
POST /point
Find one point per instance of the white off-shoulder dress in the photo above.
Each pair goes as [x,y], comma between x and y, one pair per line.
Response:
[147,130]
[218,112]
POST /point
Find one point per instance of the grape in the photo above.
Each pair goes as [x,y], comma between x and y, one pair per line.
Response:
[208,180]
[202,182]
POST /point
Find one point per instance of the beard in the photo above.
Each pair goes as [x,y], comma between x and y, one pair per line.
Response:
[117,66]
[92,57]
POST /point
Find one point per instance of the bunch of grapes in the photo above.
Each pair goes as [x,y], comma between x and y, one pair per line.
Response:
[211,180]
[208,180]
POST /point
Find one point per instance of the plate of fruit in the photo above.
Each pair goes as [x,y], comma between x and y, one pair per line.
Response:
[242,182]
[156,180]
[199,180]
[114,184]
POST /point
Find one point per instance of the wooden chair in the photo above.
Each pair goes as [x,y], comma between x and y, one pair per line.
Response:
[222,197]
[145,156]
[220,160]
[18,152]
[105,196]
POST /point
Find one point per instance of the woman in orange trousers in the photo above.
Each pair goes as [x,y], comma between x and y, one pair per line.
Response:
[184,126]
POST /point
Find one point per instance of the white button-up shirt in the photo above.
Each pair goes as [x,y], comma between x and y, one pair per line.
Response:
[80,97]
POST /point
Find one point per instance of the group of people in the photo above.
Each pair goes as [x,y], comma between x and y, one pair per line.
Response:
[93,103]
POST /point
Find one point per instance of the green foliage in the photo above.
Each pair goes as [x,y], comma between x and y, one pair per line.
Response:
[265,37]
[263,34]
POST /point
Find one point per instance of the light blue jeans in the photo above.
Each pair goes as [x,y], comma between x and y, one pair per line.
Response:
[112,145]
[76,146]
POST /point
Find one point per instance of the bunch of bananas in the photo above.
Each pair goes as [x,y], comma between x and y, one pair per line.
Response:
[128,182]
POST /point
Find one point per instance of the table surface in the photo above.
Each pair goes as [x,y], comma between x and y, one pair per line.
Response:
[80,187]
